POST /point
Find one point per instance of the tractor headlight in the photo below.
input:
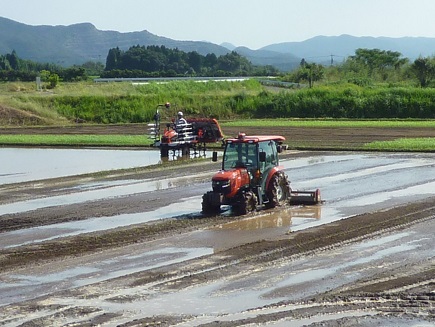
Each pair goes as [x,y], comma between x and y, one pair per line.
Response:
[221,186]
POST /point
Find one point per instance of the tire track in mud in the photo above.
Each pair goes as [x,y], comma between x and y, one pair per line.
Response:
[301,243]
[371,301]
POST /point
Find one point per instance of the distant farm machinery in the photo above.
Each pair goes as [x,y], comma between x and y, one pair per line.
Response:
[183,136]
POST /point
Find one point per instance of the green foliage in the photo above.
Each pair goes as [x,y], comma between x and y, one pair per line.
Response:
[342,102]
[424,69]
[125,103]
[12,68]
[333,123]
[137,104]
[378,60]
[158,61]
[53,80]
[309,72]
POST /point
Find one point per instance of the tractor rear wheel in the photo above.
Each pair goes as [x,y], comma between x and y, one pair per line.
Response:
[278,191]
[246,203]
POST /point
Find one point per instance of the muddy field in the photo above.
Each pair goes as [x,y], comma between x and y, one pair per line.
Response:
[162,263]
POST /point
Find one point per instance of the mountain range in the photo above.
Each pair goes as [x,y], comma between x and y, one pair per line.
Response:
[79,43]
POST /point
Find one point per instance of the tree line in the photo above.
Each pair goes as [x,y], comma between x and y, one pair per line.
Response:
[369,66]
[364,68]
[13,68]
[160,61]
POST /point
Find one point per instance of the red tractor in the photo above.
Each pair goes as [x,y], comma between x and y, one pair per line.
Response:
[251,177]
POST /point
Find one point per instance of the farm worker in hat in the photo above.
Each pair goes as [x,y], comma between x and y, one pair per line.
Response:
[180,126]
[180,122]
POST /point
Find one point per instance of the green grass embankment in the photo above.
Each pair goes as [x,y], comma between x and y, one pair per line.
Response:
[76,140]
[338,106]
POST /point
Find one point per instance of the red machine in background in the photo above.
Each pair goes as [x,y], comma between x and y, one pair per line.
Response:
[182,139]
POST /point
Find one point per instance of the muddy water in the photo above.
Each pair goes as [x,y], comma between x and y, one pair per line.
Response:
[350,184]
[27,164]
[24,164]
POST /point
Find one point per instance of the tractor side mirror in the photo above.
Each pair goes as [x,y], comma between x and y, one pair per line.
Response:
[214,156]
[262,156]
[279,148]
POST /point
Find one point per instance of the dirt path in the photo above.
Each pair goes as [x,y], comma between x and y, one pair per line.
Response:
[351,272]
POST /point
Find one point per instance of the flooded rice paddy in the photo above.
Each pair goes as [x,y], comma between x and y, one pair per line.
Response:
[350,184]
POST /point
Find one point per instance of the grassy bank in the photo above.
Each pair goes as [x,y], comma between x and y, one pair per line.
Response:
[76,140]
[403,145]
[235,104]
[113,103]
[332,123]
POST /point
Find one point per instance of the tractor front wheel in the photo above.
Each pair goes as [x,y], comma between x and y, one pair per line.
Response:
[210,204]
[278,191]
[246,203]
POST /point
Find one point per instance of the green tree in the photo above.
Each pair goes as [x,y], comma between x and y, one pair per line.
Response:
[45,74]
[424,70]
[13,60]
[310,72]
[233,62]
[194,59]
[53,80]
[113,58]
[378,61]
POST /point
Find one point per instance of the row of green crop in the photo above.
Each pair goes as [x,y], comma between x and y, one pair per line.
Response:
[226,101]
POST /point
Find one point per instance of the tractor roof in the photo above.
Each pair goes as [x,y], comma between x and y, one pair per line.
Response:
[243,138]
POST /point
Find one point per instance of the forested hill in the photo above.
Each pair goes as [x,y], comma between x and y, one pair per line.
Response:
[79,43]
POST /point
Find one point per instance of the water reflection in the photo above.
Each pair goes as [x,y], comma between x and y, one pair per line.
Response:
[177,155]
[29,164]
[276,219]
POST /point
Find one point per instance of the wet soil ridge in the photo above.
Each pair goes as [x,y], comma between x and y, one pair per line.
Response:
[307,242]
[315,239]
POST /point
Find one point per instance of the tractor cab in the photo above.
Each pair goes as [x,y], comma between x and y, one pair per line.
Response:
[258,155]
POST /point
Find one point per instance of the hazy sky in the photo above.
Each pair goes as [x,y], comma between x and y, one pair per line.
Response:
[251,23]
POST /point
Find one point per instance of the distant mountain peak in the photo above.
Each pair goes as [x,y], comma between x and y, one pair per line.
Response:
[229,46]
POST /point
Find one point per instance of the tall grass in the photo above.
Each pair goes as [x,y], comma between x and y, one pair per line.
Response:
[347,101]
[127,103]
